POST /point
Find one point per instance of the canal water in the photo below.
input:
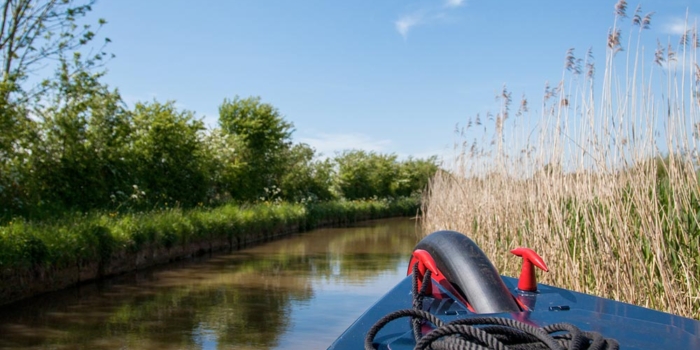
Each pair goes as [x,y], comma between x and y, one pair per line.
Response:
[300,292]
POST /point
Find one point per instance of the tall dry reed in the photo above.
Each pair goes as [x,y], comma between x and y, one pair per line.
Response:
[602,184]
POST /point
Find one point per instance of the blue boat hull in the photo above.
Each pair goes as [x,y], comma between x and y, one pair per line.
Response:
[633,327]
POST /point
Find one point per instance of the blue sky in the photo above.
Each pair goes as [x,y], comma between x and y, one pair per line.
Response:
[390,76]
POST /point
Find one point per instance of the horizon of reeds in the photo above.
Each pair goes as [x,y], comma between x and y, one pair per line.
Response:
[603,185]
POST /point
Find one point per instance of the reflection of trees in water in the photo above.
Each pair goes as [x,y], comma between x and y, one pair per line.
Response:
[359,254]
[371,250]
[243,299]
[162,319]
[250,316]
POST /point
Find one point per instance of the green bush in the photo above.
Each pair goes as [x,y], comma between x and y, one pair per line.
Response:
[266,137]
[167,155]
[80,238]
[370,175]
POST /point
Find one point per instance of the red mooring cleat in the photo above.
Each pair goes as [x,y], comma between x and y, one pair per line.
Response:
[528,281]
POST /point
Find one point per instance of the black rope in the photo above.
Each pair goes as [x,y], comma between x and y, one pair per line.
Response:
[418,298]
[480,333]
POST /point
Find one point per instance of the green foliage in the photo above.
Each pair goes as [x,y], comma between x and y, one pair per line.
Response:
[87,152]
[266,137]
[81,239]
[17,131]
[83,150]
[79,158]
[168,158]
[82,176]
[260,125]
[35,33]
[306,178]
[366,174]
[414,175]
[225,167]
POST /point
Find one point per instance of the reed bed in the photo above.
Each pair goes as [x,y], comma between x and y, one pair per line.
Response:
[602,181]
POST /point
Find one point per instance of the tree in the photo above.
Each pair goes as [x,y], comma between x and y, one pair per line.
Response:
[15,140]
[414,175]
[78,160]
[225,164]
[364,175]
[266,136]
[33,32]
[33,35]
[167,154]
[305,177]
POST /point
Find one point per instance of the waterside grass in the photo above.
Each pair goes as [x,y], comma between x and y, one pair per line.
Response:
[82,239]
[604,187]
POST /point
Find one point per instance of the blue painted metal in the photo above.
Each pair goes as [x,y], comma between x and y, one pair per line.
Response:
[634,327]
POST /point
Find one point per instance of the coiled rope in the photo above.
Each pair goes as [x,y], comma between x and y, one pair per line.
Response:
[487,332]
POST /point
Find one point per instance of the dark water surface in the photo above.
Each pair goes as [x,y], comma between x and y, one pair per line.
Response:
[296,293]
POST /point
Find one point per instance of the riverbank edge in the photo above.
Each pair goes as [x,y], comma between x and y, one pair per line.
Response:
[22,282]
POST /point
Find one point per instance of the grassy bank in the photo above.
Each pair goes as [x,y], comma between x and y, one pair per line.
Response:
[603,186]
[96,240]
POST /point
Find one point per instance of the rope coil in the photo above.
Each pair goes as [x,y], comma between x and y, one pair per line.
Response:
[487,332]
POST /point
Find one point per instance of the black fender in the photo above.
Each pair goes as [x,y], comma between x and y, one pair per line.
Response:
[468,269]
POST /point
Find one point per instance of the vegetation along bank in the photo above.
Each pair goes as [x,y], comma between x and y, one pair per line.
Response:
[92,186]
[45,256]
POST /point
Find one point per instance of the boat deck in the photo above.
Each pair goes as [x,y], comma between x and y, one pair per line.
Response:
[632,326]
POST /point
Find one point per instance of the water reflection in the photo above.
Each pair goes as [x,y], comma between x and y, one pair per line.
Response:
[298,292]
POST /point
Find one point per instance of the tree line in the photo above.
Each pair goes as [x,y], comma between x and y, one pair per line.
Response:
[89,151]
[70,143]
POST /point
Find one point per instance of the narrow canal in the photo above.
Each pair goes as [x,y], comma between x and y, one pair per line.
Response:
[296,293]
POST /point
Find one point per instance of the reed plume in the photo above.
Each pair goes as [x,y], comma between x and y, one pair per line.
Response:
[603,186]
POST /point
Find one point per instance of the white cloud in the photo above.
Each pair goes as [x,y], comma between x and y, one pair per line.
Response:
[454,3]
[404,24]
[675,26]
[329,144]
[679,25]
[426,15]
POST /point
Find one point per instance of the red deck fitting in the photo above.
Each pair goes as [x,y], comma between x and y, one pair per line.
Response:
[528,281]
